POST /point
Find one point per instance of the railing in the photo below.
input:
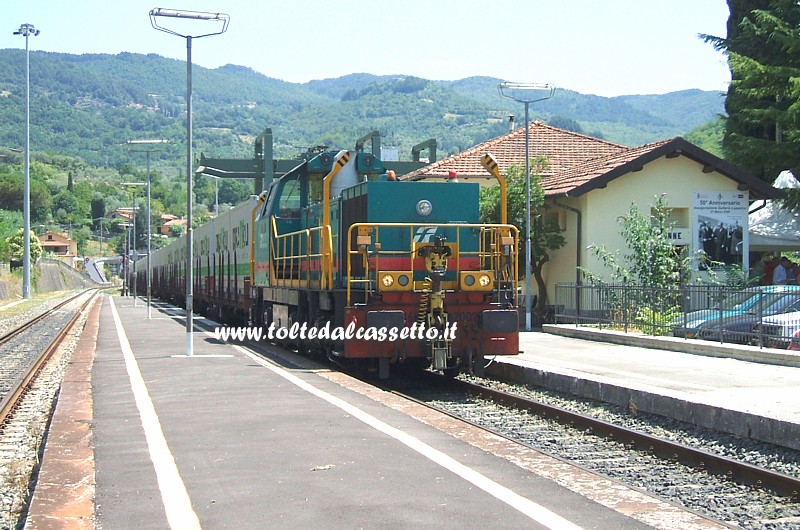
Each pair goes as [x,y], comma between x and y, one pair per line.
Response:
[767,316]
[475,248]
[294,262]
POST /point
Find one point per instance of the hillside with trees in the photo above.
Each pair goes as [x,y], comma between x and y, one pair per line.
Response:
[85,107]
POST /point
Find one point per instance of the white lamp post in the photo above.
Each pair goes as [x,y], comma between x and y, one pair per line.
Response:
[224,19]
[527,93]
[26,30]
[133,236]
[216,195]
[148,150]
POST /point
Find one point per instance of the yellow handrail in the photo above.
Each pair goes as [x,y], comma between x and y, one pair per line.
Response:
[490,164]
[492,242]
[341,160]
[288,249]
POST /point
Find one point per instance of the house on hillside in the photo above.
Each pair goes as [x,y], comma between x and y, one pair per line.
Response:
[60,247]
[591,183]
[167,227]
[124,213]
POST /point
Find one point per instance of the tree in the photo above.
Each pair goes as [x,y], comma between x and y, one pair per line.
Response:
[72,208]
[545,234]
[9,224]
[98,210]
[11,188]
[14,244]
[763,46]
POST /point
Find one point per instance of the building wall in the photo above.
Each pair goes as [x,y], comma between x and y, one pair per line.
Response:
[601,209]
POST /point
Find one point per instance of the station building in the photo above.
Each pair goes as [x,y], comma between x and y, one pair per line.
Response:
[591,183]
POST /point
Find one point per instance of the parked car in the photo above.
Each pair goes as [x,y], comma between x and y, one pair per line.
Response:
[736,303]
[739,328]
[780,331]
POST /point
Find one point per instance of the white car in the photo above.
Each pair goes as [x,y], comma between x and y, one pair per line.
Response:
[781,331]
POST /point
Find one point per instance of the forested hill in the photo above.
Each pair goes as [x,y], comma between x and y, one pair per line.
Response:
[88,105]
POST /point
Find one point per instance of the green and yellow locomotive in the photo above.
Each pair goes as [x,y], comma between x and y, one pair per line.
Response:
[339,258]
[383,271]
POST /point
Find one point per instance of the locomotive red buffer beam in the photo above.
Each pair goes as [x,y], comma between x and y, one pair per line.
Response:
[395,334]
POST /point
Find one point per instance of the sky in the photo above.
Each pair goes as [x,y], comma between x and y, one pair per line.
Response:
[602,47]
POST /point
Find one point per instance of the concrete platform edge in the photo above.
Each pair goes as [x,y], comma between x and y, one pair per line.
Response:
[783,433]
[697,347]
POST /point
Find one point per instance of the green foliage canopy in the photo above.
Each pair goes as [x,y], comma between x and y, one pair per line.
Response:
[762,129]
[14,246]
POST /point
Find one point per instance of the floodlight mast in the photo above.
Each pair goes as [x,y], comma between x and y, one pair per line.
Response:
[27,30]
[130,277]
[145,147]
[155,13]
[548,91]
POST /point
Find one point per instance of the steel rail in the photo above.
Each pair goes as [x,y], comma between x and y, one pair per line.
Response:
[740,472]
[19,329]
[12,398]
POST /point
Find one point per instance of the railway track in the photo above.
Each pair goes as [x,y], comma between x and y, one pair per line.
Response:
[26,348]
[726,488]
[33,356]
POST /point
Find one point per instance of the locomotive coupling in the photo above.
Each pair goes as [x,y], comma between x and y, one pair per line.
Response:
[432,302]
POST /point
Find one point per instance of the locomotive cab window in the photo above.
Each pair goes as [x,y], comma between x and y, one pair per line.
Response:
[290,200]
[315,188]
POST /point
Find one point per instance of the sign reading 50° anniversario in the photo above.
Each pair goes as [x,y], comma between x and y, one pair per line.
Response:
[720,221]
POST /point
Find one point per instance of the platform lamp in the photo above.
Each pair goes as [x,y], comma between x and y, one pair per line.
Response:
[223,19]
[527,93]
[133,252]
[147,146]
[26,30]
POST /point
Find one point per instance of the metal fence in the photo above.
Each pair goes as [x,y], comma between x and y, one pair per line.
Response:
[767,316]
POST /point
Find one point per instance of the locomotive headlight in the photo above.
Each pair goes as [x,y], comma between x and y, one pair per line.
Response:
[387,280]
[469,280]
[484,280]
[403,280]
[424,207]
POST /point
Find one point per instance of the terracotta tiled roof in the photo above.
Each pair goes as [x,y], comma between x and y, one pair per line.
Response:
[584,173]
[564,149]
[580,163]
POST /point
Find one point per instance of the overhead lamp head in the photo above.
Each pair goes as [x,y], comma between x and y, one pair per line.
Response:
[159,12]
[26,30]
[147,142]
[511,90]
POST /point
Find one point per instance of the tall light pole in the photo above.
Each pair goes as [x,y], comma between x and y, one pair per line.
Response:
[101,219]
[224,19]
[216,195]
[26,30]
[133,236]
[527,93]
[147,148]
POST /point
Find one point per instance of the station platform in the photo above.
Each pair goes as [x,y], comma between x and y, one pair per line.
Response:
[145,436]
[743,390]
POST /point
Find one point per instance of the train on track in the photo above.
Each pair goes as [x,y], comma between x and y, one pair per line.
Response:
[362,267]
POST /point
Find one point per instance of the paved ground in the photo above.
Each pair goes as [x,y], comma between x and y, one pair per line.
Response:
[228,440]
